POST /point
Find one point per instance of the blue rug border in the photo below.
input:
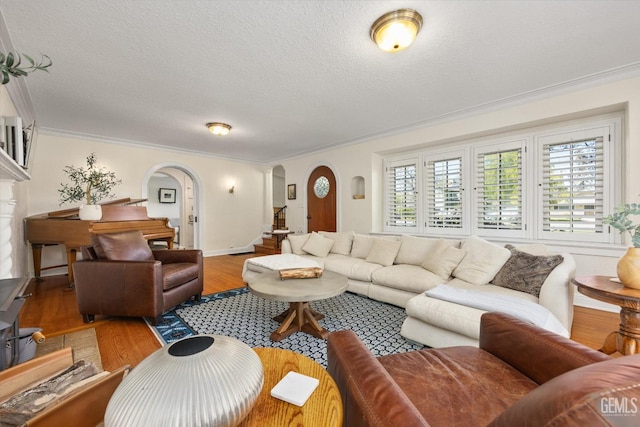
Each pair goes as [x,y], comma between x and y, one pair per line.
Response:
[172,327]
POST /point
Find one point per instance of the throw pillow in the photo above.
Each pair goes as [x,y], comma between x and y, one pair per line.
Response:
[297,242]
[414,250]
[124,246]
[383,251]
[443,260]
[482,261]
[318,245]
[341,241]
[361,246]
[525,272]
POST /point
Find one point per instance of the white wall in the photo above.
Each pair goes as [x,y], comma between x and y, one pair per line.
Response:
[365,159]
[236,220]
[155,209]
[228,220]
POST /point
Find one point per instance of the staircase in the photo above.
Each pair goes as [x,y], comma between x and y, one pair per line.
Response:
[271,240]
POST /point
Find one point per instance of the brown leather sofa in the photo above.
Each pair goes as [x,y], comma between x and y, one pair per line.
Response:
[521,375]
[121,276]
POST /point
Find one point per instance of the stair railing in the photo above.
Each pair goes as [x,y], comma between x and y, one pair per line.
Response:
[279,219]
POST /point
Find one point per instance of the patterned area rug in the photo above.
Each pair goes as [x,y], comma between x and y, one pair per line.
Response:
[242,315]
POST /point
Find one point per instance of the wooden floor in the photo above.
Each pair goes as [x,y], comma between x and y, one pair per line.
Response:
[129,340]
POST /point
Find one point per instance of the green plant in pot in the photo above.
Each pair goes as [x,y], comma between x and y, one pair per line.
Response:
[629,265]
[90,184]
[11,65]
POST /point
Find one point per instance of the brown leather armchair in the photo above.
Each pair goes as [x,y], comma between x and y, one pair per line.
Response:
[521,375]
[120,275]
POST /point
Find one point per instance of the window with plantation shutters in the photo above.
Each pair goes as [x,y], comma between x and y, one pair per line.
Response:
[444,194]
[553,184]
[573,185]
[401,195]
[499,192]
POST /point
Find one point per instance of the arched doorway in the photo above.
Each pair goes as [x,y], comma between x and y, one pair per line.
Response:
[321,200]
[188,195]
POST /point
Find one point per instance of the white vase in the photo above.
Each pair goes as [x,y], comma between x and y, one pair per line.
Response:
[90,212]
[208,380]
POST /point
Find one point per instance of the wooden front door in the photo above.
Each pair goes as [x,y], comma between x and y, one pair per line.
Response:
[321,200]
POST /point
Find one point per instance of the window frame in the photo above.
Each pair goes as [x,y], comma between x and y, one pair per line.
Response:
[607,132]
[500,147]
[395,163]
[442,156]
[532,141]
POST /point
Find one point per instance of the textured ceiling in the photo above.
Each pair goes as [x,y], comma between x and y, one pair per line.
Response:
[293,77]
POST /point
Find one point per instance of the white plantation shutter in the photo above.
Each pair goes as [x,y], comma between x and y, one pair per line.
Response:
[573,182]
[499,191]
[444,194]
[401,195]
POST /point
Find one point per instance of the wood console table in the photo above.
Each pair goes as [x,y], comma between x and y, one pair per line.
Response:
[626,340]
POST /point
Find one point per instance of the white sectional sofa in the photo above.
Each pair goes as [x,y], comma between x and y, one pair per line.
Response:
[404,270]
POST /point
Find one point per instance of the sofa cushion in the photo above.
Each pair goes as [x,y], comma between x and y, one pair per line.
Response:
[341,241]
[603,393]
[124,246]
[178,273]
[482,261]
[525,272]
[443,259]
[352,268]
[438,381]
[454,317]
[361,246]
[406,277]
[414,250]
[383,251]
[318,245]
[297,242]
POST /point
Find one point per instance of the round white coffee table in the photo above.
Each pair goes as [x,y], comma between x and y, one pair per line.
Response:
[299,317]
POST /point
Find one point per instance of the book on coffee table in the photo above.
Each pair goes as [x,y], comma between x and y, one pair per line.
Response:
[295,388]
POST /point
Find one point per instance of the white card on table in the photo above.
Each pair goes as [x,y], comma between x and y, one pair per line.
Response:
[295,388]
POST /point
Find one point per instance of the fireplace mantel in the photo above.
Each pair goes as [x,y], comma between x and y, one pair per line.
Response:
[9,169]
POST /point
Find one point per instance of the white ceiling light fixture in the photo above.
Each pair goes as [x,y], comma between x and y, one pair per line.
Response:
[217,128]
[395,31]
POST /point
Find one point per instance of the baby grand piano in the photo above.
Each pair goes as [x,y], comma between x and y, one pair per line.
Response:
[66,228]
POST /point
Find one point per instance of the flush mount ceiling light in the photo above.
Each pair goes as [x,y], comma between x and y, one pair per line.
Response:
[219,128]
[396,30]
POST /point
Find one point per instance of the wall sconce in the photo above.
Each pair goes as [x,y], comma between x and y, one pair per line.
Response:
[232,189]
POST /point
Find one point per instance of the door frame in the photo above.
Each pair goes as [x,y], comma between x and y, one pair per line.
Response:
[305,212]
[198,232]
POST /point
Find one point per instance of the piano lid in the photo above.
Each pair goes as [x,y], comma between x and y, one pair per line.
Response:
[74,212]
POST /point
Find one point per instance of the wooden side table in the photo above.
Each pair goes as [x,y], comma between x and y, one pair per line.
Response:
[323,409]
[627,339]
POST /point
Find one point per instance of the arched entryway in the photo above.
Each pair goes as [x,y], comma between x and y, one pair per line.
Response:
[187,195]
[321,200]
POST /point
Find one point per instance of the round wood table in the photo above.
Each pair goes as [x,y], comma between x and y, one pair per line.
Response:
[322,409]
[299,317]
[626,340]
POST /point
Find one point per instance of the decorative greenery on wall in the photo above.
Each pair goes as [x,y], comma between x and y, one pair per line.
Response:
[10,65]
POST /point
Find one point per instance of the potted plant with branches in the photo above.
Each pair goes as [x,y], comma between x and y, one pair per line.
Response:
[90,184]
[629,265]
[10,65]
